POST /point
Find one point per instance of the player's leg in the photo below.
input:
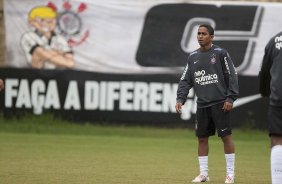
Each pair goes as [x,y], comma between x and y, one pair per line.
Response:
[275,132]
[229,150]
[229,146]
[276,159]
[204,129]
[222,122]
[203,150]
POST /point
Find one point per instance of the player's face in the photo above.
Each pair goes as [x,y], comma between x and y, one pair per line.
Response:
[203,36]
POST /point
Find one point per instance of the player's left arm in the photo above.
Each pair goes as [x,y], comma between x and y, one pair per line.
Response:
[264,73]
[233,86]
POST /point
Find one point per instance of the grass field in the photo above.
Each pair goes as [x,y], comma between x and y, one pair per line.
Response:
[43,150]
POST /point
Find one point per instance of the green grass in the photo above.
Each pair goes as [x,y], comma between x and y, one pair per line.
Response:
[43,150]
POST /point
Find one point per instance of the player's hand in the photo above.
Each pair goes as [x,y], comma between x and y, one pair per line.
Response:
[178,107]
[227,106]
[1,85]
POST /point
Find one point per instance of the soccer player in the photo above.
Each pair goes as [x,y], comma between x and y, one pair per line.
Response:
[211,72]
[271,86]
[43,47]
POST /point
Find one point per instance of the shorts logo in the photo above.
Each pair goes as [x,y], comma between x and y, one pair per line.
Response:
[223,129]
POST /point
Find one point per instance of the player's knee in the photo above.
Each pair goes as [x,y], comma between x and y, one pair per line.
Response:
[203,140]
[227,139]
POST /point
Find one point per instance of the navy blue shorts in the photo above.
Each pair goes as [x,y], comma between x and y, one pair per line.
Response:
[275,120]
[212,119]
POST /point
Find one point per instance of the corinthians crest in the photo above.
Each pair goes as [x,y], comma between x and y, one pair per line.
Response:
[70,23]
[213,59]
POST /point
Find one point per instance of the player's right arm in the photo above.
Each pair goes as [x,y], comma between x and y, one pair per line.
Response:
[185,84]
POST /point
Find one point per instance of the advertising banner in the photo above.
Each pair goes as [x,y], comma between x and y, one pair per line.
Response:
[115,98]
[121,60]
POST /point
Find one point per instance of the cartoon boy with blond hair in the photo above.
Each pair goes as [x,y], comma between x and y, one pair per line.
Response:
[42,46]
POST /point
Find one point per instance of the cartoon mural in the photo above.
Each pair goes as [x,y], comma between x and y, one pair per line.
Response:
[43,47]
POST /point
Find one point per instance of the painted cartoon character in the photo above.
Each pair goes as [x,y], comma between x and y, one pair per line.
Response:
[42,46]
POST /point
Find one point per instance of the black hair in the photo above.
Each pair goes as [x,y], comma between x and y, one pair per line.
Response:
[209,28]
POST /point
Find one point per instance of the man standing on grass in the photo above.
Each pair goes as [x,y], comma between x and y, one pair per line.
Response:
[211,72]
[271,86]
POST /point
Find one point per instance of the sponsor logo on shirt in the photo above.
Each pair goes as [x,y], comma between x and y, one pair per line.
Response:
[202,78]
[226,64]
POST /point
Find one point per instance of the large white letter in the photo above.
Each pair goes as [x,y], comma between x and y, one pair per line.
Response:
[155,97]
[103,92]
[37,87]
[126,95]
[72,97]
[52,96]
[140,101]
[23,95]
[112,94]
[169,97]
[91,96]
[10,92]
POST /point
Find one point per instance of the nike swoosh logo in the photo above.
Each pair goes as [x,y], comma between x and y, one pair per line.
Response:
[196,61]
[223,129]
[245,100]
